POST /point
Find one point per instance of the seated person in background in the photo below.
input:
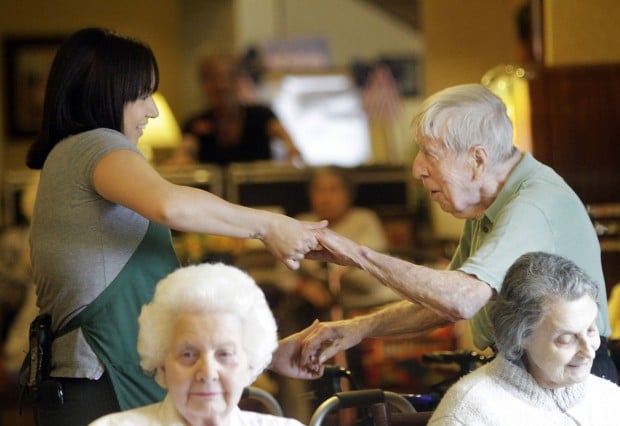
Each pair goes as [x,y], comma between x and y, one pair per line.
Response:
[544,321]
[207,334]
[229,131]
[331,193]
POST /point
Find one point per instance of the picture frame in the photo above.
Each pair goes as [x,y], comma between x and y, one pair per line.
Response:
[27,63]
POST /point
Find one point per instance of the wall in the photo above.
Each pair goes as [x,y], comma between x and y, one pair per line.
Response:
[157,23]
[464,39]
[581,32]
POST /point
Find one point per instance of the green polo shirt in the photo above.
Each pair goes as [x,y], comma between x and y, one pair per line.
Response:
[534,211]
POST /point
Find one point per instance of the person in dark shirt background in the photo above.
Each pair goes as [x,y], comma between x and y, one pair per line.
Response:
[229,130]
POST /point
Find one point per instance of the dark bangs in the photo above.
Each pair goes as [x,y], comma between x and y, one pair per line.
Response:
[130,70]
[139,74]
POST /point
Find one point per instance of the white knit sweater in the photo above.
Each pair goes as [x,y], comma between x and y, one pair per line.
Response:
[503,393]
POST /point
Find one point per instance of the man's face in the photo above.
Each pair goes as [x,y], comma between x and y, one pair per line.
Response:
[448,177]
[561,350]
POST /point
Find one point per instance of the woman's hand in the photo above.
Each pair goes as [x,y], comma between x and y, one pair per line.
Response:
[289,239]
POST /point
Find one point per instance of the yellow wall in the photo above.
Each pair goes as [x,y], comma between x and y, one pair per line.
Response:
[157,23]
[580,32]
[464,39]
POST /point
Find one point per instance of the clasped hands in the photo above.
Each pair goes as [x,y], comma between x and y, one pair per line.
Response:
[334,248]
[301,355]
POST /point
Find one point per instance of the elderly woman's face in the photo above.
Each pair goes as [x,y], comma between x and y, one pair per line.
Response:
[447,176]
[206,367]
[561,350]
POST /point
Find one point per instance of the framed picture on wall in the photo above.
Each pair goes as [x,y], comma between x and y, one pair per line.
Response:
[27,63]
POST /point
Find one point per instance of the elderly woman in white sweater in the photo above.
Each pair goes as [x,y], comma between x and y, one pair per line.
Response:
[207,334]
[546,334]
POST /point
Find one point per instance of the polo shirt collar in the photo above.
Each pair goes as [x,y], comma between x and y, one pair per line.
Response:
[524,169]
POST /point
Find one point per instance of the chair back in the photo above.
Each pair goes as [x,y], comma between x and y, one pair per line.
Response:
[265,398]
[359,398]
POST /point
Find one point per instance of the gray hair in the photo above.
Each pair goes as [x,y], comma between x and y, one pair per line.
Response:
[534,281]
[465,116]
[206,288]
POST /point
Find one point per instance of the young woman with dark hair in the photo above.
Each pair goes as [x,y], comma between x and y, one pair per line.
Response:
[100,233]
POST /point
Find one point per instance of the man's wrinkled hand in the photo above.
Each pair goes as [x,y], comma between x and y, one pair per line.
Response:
[287,358]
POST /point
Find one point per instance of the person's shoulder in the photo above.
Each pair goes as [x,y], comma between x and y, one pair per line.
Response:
[251,418]
[474,388]
[147,415]
[85,146]
[200,115]
[538,179]
[257,107]
[363,212]
[199,123]
[99,135]
[471,382]
[466,400]
[259,110]
[604,387]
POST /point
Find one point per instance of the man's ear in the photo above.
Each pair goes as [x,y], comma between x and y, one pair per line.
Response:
[478,158]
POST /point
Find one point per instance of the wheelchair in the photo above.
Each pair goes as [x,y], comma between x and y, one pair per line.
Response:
[377,407]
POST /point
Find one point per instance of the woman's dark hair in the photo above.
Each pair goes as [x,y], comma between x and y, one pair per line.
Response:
[94,74]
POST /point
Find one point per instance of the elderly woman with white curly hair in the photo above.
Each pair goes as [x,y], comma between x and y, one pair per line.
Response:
[207,334]
[544,320]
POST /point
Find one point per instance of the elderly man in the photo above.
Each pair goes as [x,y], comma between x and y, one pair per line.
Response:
[512,204]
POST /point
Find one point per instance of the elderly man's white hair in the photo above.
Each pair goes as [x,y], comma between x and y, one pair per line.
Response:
[464,116]
[207,288]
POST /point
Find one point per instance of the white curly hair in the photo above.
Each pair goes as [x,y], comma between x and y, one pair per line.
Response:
[206,288]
